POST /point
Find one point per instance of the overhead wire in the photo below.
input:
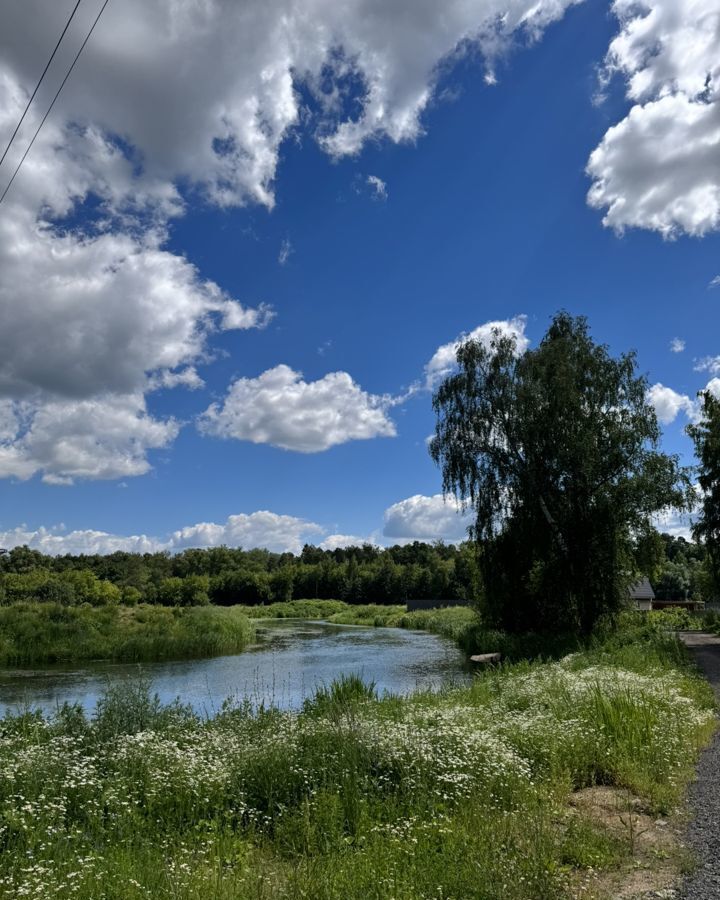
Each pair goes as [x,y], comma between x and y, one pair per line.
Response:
[57,94]
[37,86]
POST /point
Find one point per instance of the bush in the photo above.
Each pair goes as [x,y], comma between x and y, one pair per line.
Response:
[73,586]
[676,618]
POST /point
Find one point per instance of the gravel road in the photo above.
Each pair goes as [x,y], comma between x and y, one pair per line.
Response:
[704,831]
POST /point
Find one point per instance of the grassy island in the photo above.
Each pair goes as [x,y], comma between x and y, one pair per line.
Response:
[539,781]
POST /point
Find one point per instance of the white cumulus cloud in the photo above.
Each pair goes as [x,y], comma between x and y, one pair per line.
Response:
[87,329]
[259,529]
[657,168]
[90,322]
[95,438]
[145,76]
[424,518]
[340,541]
[708,364]
[713,387]
[105,313]
[279,533]
[119,308]
[669,403]
[443,361]
[677,345]
[58,541]
[282,409]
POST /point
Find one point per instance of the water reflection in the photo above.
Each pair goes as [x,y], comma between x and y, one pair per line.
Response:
[288,662]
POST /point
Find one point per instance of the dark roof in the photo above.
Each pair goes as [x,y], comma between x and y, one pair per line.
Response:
[642,590]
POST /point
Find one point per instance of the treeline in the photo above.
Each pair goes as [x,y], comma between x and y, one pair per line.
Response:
[681,571]
[226,576]
[677,568]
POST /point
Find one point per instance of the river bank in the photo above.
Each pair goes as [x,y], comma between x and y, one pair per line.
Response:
[459,623]
[469,792]
[40,633]
[287,661]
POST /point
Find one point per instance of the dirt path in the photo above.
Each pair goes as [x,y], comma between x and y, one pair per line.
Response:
[704,796]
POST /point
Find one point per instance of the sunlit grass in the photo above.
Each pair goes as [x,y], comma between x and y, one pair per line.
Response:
[295,609]
[38,633]
[455,794]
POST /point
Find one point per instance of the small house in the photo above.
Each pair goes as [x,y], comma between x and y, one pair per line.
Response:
[642,595]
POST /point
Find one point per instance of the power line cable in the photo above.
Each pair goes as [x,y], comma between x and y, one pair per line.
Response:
[37,86]
[57,94]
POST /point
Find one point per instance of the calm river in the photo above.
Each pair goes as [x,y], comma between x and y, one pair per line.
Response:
[291,658]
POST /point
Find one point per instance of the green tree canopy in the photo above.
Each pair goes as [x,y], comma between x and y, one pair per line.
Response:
[556,451]
[706,436]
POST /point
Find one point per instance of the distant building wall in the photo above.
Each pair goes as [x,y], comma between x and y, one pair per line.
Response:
[642,595]
[677,604]
[414,605]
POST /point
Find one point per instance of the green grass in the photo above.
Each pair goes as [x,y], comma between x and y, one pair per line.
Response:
[295,609]
[457,794]
[39,633]
[459,623]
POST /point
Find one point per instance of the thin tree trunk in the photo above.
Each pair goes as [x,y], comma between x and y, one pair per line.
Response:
[553,524]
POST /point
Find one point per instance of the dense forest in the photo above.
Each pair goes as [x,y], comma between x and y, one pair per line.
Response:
[224,576]
[365,574]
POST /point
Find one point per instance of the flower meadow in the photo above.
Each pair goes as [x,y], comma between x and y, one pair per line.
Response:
[457,794]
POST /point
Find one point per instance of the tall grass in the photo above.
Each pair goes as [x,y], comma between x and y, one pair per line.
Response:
[457,794]
[38,633]
[295,609]
[43,632]
[456,622]
[463,625]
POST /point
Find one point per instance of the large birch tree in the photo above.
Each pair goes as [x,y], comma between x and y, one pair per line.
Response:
[556,450]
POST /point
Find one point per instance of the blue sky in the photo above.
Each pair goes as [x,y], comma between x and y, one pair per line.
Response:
[340,234]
